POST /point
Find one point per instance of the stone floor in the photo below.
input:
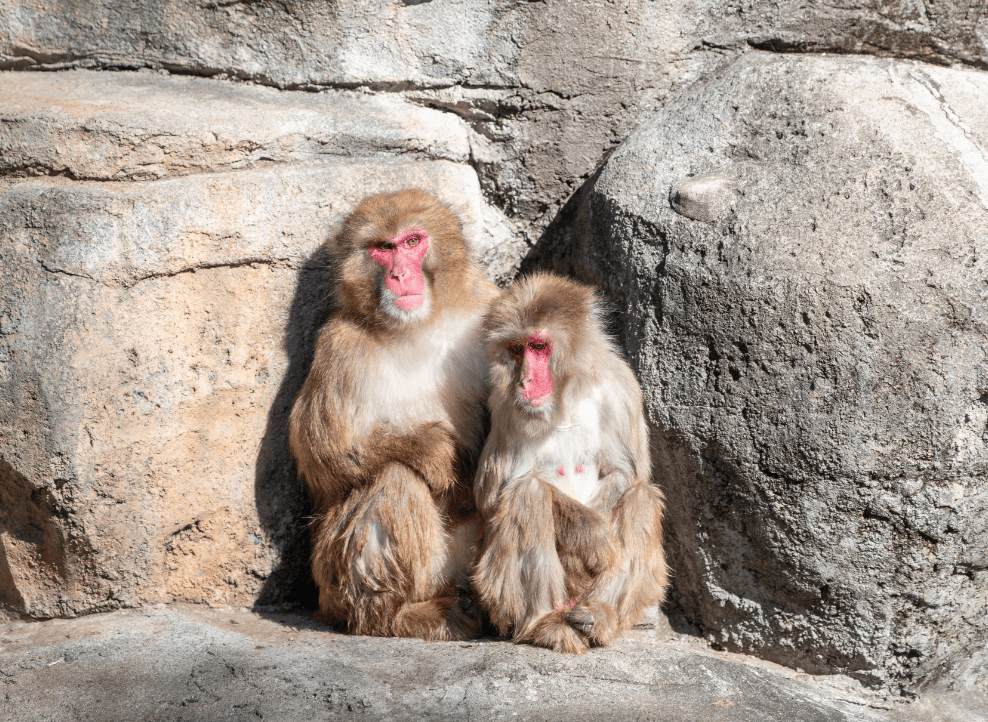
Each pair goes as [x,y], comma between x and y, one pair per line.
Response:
[182,662]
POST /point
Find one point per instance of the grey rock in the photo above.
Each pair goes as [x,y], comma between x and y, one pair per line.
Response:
[704,197]
[129,126]
[182,663]
[815,361]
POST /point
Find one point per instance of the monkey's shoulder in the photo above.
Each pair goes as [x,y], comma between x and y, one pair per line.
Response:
[341,333]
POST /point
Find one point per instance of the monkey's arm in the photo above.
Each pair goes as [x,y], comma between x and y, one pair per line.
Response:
[625,460]
[430,451]
[492,473]
[582,532]
[321,437]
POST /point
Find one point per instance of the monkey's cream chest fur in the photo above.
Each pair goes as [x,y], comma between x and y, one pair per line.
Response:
[428,376]
[568,454]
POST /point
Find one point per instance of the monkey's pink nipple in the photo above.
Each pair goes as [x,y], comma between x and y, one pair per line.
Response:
[407,303]
[579,468]
[562,471]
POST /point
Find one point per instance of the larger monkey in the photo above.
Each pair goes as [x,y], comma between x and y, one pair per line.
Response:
[572,544]
[390,418]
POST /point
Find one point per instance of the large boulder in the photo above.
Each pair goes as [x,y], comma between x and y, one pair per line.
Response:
[153,333]
[548,88]
[798,250]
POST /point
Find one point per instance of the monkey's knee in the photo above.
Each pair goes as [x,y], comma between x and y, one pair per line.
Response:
[585,541]
[411,542]
[380,549]
[642,506]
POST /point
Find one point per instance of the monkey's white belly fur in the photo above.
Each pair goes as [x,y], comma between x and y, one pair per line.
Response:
[568,455]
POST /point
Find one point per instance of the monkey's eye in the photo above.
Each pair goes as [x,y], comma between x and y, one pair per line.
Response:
[386,245]
[413,241]
[538,346]
[515,349]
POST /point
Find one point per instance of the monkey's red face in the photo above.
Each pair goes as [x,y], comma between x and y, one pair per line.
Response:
[401,255]
[533,356]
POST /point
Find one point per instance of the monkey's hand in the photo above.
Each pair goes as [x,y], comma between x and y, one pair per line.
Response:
[583,533]
[439,463]
[429,451]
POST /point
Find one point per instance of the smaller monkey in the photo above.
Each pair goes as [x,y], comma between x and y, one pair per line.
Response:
[571,549]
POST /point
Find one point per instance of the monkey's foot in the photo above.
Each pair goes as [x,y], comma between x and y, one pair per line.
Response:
[596,620]
[437,620]
[555,632]
[458,625]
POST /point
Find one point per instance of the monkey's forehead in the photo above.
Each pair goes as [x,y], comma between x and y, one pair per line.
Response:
[525,332]
[390,228]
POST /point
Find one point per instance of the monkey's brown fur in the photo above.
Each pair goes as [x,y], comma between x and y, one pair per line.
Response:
[553,570]
[388,422]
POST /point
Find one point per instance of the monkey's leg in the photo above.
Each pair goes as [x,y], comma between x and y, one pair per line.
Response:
[618,597]
[388,549]
[519,577]
[584,541]
[327,561]
[450,614]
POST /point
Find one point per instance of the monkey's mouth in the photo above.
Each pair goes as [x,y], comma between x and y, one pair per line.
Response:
[410,302]
[539,400]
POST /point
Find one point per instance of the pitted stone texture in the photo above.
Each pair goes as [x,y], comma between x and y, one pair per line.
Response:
[153,338]
[815,361]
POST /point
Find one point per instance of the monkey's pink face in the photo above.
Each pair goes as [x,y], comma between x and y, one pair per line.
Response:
[532,357]
[401,255]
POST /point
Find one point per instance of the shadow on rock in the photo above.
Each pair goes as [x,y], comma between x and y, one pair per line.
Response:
[283,505]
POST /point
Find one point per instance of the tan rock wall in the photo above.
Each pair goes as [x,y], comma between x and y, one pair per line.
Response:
[153,334]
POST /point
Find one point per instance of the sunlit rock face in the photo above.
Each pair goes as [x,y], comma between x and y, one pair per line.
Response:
[161,285]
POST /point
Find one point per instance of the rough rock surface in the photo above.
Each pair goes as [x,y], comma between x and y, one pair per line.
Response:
[130,126]
[153,334]
[549,88]
[814,355]
[181,663]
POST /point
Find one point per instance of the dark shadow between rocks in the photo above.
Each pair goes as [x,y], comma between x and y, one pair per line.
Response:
[283,505]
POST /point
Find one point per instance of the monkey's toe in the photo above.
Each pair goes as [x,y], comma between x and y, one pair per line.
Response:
[596,620]
[436,620]
[457,626]
[582,619]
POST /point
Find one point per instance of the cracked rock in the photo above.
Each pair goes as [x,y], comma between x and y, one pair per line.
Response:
[572,77]
[179,663]
[815,360]
[143,126]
